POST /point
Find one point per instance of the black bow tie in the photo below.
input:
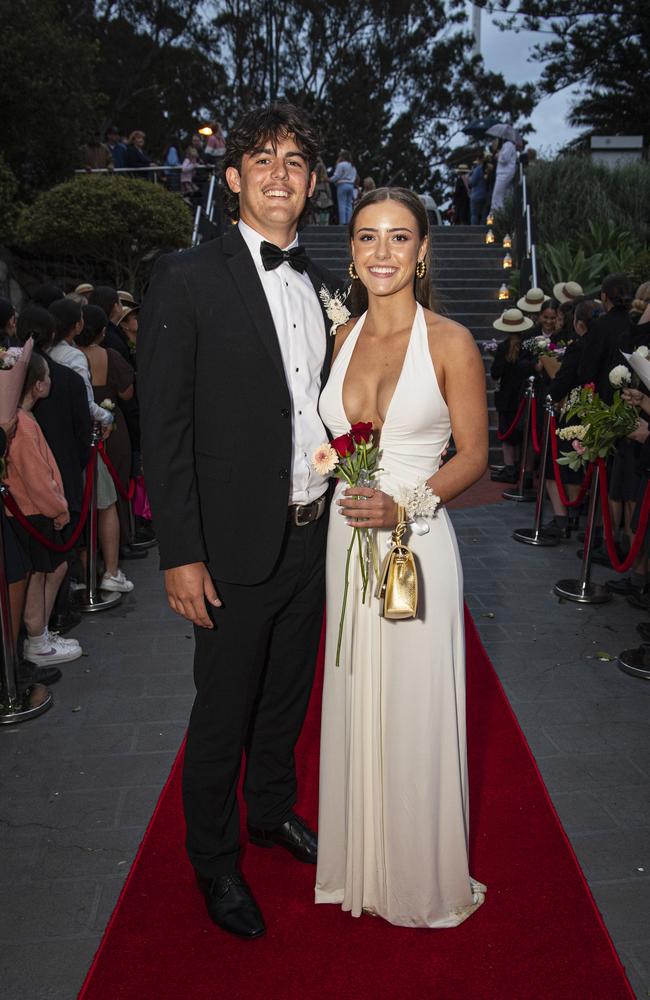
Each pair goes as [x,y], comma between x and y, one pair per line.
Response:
[272,257]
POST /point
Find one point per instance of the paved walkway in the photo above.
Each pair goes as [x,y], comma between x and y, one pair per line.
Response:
[79,784]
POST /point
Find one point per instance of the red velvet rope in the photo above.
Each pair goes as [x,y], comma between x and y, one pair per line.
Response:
[556,472]
[47,543]
[639,535]
[125,494]
[533,421]
[513,425]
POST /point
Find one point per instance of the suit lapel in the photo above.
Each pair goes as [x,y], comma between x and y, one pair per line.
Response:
[244,272]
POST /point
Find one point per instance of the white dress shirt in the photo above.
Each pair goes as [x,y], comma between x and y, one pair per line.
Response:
[300,329]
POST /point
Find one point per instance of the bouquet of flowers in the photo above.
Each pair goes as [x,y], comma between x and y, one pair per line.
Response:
[600,426]
[489,345]
[536,345]
[13,368]
[353,458]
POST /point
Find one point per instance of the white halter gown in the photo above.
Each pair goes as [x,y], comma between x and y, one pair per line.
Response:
[393,815]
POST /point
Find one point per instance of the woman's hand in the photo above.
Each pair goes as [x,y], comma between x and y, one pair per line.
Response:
[375,510]
[633,396]
[640,433]
[60,520]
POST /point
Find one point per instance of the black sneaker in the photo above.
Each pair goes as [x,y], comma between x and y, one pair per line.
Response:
[30,674]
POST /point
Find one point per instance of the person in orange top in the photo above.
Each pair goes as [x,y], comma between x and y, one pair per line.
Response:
[34,481]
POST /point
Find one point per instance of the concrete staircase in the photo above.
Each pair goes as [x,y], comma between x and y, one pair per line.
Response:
[467,276]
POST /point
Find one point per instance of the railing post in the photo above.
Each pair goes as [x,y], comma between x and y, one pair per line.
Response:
[95,599]
[535,535]
[583,591]
[520,493]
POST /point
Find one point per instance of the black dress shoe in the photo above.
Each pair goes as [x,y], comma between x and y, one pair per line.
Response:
[231,905]
[63,623]
[294,835]
[128,552]
[638,599]
[508,474]
[624,587]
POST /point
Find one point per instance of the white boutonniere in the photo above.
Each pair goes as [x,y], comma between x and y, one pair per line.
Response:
[335,307]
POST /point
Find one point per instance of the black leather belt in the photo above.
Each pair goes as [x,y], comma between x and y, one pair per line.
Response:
[300,515]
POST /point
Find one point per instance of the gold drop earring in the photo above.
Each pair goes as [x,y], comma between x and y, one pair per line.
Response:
[421,269]
[353,272]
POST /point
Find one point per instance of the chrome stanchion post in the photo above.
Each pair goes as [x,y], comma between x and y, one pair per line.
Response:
[535,535]
[583,591]
[195,228]
[520,493]
[95,599]
[15,705]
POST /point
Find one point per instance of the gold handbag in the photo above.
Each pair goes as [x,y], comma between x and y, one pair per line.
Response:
[397,587]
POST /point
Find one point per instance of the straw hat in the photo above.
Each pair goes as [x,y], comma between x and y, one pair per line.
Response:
[567,291]
[513,321]
[532,301]
[462,168]
[127,310]
[85,288]
[125,297]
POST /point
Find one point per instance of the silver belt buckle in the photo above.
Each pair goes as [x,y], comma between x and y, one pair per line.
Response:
[308,513]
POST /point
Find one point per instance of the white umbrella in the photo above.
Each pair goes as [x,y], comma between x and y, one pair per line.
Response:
[503,132]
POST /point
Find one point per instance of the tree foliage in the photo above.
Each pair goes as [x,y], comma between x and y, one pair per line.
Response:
[601,45]
[48,91]
[9,207]
[115,221]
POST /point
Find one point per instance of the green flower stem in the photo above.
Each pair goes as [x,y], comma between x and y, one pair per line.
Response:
[345,599]
[364,571]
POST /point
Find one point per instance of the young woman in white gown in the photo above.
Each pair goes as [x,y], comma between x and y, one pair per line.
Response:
[393,818]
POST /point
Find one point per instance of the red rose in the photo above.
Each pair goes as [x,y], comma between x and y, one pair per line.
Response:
[343,445]
[361,432]
[590,385]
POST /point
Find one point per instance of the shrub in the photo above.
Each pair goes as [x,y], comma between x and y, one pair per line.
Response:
[9,208]
[115,221]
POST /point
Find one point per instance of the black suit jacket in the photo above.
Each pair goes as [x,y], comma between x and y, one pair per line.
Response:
[601,350]
[64,417]
[215,411]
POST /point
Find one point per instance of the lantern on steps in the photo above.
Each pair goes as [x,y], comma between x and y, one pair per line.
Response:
[507,241]
[507,261]
[489,237]
[504,294]
[490,219]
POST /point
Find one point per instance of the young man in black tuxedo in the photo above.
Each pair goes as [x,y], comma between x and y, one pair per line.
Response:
[233,349]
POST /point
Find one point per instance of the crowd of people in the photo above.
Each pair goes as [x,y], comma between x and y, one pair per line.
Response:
[482,188]
[567,341]
[79,389]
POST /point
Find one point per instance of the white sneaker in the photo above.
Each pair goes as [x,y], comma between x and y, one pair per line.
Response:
[60,642]
[49,652]
[118,582]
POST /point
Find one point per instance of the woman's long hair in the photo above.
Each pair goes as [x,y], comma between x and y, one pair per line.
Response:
[421,286]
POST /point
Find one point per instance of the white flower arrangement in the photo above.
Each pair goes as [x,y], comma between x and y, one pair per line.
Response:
[107,404]
[335,307]
[643,351]
[620,376]
[574,432]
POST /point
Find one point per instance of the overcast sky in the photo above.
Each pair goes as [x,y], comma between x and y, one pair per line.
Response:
[507,52]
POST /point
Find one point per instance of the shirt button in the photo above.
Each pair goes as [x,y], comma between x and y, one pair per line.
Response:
[294,326]
[284,473]
[284,412]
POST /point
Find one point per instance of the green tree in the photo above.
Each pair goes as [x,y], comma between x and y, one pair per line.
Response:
[114,221]
[48,92]
[602,46]
[9,207]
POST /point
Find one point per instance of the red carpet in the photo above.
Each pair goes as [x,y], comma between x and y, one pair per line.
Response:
[538,935]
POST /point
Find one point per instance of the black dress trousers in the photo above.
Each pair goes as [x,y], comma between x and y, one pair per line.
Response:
[253,676]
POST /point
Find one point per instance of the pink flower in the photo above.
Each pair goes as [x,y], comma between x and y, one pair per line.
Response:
[578,446]
[324,459]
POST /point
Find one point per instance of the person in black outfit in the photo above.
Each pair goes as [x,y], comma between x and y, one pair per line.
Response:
[135,156]
[510,368]
[218,404]
[603,340]
[65,420]
[7,324]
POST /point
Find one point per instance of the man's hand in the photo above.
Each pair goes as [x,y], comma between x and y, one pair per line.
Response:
[188,588]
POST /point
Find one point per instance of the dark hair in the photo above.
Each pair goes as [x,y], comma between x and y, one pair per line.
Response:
[618,290]
[6,312]
[265,125]
[95,321]
[45,295]
[344,154]
[105,297]
[36,322]
[421,286]
[585,310]
[66,314]
[37,368]
[549,304]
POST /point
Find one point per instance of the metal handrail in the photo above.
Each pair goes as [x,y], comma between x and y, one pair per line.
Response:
[531,249]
